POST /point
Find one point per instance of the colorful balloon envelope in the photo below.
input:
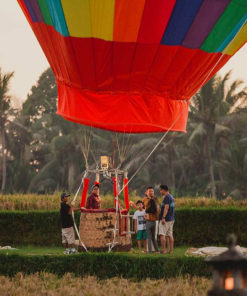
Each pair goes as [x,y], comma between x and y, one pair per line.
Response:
[133,65]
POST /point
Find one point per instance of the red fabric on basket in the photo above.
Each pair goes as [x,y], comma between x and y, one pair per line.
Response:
[84,192]
[126,194]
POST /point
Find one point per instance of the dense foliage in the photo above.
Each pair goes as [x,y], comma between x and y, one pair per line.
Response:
[43,152]
[196,227]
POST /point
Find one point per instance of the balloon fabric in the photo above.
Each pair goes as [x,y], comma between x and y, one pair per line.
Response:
[133,65]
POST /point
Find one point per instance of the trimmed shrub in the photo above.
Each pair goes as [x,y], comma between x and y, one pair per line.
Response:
[105,265]
[205,226]
[193,227]
[31,228]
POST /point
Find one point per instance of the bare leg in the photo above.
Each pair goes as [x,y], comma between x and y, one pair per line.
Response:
[163,240]
[156,234]
[145,245]
[153,238]
[139,243]
[149,236]
[170,244]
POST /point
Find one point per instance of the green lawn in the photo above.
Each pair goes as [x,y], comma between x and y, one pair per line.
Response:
[34,251]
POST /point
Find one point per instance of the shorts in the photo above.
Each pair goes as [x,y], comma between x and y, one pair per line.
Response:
[141,234]
[166,229]
[68,235]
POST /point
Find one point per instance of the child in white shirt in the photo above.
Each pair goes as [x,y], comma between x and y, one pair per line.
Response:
[140,225]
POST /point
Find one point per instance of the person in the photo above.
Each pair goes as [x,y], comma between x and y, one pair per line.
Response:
[150,194]
[68,233]
[94,200]
[140,225]
[151,216]
[166,220]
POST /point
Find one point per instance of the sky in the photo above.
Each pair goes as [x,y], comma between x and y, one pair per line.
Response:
[21,53]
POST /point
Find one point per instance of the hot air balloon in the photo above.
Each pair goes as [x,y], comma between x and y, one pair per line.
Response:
[119,62]
[132,65]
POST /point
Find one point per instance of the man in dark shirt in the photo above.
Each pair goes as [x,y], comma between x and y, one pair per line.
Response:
[68,233]
[94,200]
[166,219]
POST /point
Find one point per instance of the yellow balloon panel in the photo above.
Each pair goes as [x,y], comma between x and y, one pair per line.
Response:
[78,17]
[89,18]
[102,18]
[238,41]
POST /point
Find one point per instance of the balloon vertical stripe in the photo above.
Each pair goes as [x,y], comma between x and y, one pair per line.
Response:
[206,18]
[36,10]
[57,16]
[233,33]
[181,19]
[133,11]
[226,23]
[45,12]
[154,21]
[102,18]
[30,10]
[78,18]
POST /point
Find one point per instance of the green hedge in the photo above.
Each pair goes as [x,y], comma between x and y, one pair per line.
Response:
[104,265]
[193,227]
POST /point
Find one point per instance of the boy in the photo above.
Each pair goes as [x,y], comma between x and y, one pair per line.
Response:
[140,225]
[68,233]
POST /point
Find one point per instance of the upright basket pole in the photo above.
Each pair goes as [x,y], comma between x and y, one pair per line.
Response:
[126,191]
[116,191]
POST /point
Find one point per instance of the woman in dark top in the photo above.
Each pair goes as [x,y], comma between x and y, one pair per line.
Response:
[150,224]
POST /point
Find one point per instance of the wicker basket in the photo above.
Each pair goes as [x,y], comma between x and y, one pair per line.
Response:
[96,230]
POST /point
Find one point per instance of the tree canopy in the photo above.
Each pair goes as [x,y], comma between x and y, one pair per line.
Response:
[45,153]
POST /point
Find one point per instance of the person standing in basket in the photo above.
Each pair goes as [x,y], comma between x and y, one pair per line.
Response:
[94,200]
[68,233]
[166,220]
[151,216]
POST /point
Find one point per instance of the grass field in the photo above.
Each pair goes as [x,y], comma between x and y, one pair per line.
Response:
[37,251]
[45,284]
[51,202]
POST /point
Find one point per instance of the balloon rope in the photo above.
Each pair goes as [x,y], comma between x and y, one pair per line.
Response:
[114,150]
[73,215]
[152,151]
[166,133]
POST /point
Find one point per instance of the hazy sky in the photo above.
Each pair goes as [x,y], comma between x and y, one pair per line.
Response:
[21,53]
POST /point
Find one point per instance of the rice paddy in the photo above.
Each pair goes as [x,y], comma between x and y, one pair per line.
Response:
[45,284]
[25,202]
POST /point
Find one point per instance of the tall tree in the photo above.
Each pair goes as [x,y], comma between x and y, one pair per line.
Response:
[212,103]
[4,110]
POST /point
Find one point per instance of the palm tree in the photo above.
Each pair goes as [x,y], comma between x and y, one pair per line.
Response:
[4,110]
[208,109]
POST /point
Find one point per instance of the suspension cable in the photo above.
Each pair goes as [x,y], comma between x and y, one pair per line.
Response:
[73,214]
[166,133]
[152,151]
